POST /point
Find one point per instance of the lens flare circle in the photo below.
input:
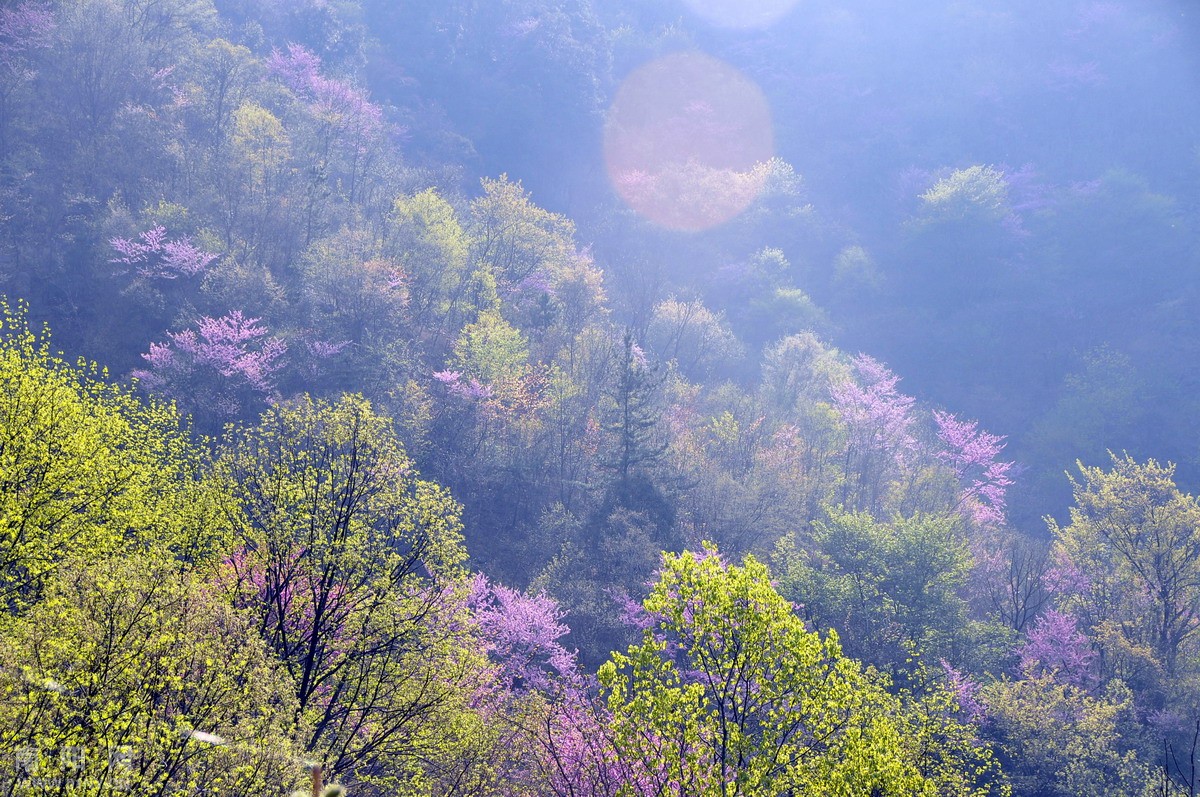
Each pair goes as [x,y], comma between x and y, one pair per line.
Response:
[686,139]
[741,13]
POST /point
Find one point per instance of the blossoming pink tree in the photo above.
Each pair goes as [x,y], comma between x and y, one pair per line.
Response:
[153,256]
[972,452]
[879,439]
[220,370]
[349,124]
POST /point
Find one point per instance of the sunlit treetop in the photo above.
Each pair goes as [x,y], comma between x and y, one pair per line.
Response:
[87,469]
[729,693]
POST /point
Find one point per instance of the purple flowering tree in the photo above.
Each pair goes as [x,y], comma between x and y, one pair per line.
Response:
[348,563]
[971,453]
[879,440]
[521,633]
[568,733]
[468,388]
[287,592]
[349,124]
[1056,647]
[219,370]
[154,256]
[337,102]
[966,692]
[1011,577]
[24,27]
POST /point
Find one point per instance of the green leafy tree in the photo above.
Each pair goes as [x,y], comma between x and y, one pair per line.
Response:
[941,722]
[974,192]
[729,694]
[490,350]
[87,470]
[1058,740]
[221,76]
[133,676]
[351,567]
[596,558]
[548,284]
[352,294]
[261,146]
[427,240]
[500,394]
[890,588]
[1135,539]
[633,414]
[253,186]
[1102,404]
[516,237]
[696,338]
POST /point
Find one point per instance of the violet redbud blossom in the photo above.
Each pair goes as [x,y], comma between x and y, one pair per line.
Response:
[966,692]
[156,257]
[344,106]
[24,26]
[324,349]
[232,347]
[971,453]
[521,633]
[471,388]
[876,412]
[1056,646]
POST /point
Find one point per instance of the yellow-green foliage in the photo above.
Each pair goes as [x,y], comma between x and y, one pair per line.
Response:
[1062,735]
[854,269]
[1136,538]
[428,242]
[977,191]
[130,665]
[946,749]
[352,566]
[517,238]
[260,141]
[88,470]
[490,349]
[728,693]
[354,293]
[331,479]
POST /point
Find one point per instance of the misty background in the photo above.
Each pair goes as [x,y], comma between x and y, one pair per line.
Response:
[1063,316]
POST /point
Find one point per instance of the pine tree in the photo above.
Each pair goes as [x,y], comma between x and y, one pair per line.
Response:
[633,422]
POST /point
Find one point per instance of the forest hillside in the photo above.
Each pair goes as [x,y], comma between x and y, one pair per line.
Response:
[628,398]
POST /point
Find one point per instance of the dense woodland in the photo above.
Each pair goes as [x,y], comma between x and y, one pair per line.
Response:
[357,411]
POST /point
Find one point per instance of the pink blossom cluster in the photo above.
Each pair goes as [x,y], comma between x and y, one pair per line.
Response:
[292,597]
[1057,647]
[966,692]
[335,100]
[234,346]
[470,388]
[876,412]
[1065,578]
[521,632]
[24,26]
[324,349]
[535,282]
[156,257]
[637,357]
[972,452]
